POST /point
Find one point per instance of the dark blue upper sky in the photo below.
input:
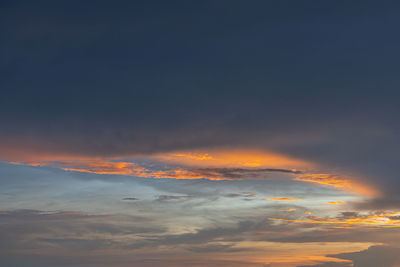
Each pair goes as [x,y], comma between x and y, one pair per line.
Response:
[97,78]
[169,63]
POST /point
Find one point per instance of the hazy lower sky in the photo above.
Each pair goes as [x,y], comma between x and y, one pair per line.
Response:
[200,133]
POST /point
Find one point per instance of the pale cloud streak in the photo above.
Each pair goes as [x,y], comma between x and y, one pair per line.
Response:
[283,199]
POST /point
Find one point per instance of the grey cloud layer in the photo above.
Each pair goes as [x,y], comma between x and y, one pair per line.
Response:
[372,257]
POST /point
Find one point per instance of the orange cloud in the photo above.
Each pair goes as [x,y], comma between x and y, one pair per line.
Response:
[239,160]
[380,220]
[104,166]
[337,202]
[325,179]
[95,166]
[233,158]
[283,199]
[339,182]
[288,210]
[194,156]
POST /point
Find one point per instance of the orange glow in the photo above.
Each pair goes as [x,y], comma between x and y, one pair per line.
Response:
[187,161]
[293,254]
[288,210]
[338,182]
[326,179]
[103,167]
[35,164]
[127,168]
[343,227]
[118,168]
[194,156]
[381,220]
[233,158]
[283,199]
[337,202]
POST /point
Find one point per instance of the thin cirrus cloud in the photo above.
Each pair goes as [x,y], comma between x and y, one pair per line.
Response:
[283,199]
[337,202]
[288,210]
[379,220]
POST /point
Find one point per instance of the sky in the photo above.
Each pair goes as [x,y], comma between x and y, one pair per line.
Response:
[199,133]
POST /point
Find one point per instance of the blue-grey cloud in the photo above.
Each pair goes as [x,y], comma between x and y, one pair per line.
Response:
[130,198]
[372,257]
[329,264]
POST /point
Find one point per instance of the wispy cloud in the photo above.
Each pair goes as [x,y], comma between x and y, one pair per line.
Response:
[173,197]
[283,199]
[337,202]
[126,168]
[244,194]
[288,210]
[372,257]
[377,220]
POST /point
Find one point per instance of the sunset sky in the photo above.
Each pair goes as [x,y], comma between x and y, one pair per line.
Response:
[216,133]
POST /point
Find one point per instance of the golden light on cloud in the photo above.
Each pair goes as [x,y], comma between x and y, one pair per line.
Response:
[214,164]
[233,158]
[194,156]
[288,210]
[381,220]
[103,167]
[338,181]
[337,202]
[293,254]
[283,199]
[325,179]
